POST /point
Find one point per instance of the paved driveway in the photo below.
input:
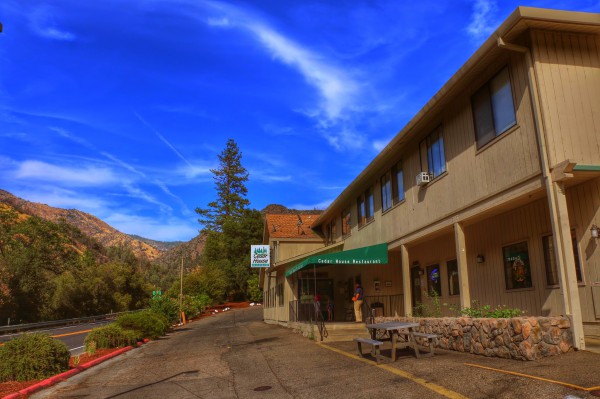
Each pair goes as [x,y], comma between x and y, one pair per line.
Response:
[236,355]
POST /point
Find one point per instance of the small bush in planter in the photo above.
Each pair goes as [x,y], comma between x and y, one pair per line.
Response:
[33,357]
[146,324]
[109,336]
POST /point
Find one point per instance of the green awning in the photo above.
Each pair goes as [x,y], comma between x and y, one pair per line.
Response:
[372,255]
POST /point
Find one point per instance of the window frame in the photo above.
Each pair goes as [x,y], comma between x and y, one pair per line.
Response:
[450,288]
[426,153]
[346,222]
[366,207]
[386,189]
[526,265]
[398,193]
[481,142]
[550,264]
[428,270]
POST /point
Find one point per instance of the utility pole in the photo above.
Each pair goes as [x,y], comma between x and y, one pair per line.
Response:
[181,292]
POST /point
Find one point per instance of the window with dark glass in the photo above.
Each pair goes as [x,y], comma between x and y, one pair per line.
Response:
[366,207]
[434,281]
[280,294]
[433,158]
[331,232]
[493,108]
[453,285]
[346,222]
[517,270]
[552,278]
[386,191]
[398,183]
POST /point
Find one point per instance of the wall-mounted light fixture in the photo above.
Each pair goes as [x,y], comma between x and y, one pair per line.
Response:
[480,258]
[595,230]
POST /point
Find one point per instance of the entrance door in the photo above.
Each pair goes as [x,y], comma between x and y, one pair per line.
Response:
[415,285]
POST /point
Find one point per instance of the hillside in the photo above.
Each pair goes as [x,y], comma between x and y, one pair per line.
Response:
[189,251]
[90,225]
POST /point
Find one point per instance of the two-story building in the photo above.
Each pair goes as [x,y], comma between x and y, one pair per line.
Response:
[490,193]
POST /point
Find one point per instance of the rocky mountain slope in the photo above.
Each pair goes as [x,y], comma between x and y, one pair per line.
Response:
[88,224]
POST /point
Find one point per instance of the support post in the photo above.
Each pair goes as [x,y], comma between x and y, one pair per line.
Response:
[461,259]
[408,306]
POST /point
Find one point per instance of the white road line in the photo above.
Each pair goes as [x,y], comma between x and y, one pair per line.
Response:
[74,349]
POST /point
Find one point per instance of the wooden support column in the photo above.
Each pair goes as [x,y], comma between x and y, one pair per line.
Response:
[461,259]
[408,306]
[561,229]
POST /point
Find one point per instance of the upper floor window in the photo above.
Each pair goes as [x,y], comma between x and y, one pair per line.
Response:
[331,232]
[493,108]
[398,183]
[386,191]
[366,207]
[433,158]
[346,222]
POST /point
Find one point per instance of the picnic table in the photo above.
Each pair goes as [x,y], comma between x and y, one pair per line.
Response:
[393,329]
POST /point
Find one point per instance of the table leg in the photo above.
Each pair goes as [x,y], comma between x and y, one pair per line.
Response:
[414,343]
[394,340]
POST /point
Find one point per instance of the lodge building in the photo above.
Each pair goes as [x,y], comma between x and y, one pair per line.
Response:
[491,193]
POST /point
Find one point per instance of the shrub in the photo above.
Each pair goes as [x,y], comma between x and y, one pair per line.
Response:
[146,324]
[33,357]
[168,307]
[501,312]
[109,336]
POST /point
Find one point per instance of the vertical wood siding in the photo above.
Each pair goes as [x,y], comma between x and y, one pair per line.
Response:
[584,210]
[568,70]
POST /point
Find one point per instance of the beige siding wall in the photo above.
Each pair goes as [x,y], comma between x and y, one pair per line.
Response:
[568,69]
[584,210]
[472,174]
[289,249]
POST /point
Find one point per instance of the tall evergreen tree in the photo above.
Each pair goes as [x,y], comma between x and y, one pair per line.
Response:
[230,179]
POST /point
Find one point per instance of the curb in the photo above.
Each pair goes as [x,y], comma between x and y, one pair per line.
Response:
[48,382]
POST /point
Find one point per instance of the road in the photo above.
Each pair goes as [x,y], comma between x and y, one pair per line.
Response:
[73,336]
[236,355]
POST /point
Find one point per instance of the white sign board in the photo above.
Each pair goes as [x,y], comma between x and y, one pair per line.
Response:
[260,256]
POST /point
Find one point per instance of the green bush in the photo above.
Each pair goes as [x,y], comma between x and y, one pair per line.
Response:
[109,336]
[33,357]
[501,312]
[169,307]
[146,324]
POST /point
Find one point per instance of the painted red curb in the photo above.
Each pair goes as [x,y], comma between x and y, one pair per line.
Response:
[48,382]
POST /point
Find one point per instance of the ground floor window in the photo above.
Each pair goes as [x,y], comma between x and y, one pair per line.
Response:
[453,284]
[434,282]
[280,294]
[550,259]
[517,270]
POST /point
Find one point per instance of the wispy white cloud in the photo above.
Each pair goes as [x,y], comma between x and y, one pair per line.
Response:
[79,176]
[42,21]
[163,139]
[64,198]
[483,19]
[319,205]
[379,145]
[171,229]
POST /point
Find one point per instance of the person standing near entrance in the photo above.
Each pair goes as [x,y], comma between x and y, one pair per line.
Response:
[358,300]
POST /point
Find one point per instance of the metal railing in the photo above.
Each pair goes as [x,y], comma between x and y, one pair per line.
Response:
[65,322]
[300,311]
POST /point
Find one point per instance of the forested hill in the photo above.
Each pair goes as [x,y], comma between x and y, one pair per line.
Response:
[107,235]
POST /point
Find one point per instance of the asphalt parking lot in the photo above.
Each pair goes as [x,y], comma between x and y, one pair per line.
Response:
[236,355]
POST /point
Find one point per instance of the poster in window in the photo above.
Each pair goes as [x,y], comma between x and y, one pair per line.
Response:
[517,270]
[434,283]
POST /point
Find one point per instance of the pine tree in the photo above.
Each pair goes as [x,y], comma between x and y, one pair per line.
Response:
[230,179]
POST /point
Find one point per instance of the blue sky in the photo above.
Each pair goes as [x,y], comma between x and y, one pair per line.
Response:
[119,108]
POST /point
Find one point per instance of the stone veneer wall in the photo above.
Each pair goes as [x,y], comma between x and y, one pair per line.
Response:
[525,338]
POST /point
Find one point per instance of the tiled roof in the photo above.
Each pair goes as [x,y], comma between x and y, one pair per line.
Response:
[291,225]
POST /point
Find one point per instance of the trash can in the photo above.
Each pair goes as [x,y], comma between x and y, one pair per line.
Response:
[377,309]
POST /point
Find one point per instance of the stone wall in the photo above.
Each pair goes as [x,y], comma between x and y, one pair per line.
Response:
[525,338]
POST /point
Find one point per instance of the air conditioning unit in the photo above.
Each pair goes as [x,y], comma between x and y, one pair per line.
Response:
[423,178]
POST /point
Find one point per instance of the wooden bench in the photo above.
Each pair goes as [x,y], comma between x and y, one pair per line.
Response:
[376,344]
[429,338]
